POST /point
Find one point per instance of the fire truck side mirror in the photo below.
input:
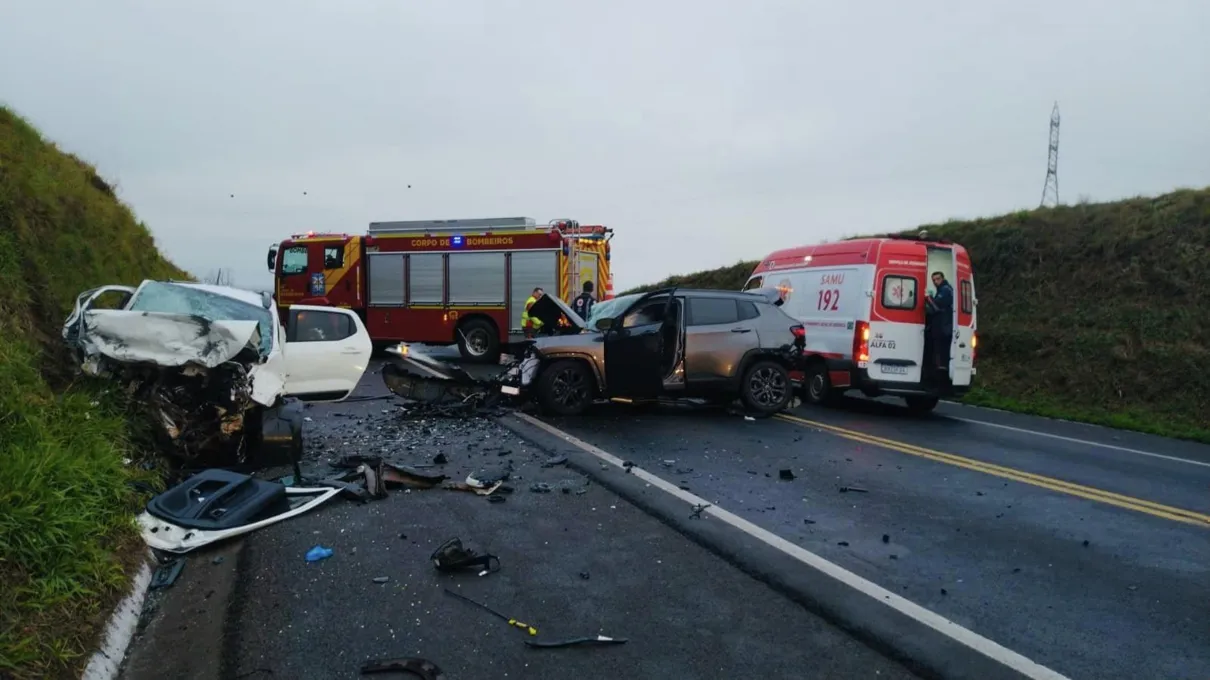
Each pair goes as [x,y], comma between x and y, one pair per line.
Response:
[272,257]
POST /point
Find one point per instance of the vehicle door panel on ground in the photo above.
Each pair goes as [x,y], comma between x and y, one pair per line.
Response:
[634,347]
[896,345]
[717,331]
[326,352]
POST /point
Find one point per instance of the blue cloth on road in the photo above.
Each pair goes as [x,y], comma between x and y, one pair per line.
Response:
[319,553]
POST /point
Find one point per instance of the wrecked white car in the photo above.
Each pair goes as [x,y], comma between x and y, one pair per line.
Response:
[212,364]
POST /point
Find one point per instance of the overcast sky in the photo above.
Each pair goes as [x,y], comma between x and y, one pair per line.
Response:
[702,131]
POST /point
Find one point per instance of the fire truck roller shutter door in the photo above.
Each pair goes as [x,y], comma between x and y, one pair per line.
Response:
[477,279]
[386,279]
[530,269]
[426,278]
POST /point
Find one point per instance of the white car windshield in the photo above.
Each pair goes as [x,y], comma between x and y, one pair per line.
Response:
[170,298]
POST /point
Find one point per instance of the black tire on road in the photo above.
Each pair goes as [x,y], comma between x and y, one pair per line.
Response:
[478,342]
[817,385]
[766,387]
[566,388]
[921,404]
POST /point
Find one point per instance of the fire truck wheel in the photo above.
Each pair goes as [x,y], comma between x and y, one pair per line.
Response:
[766,387]
[566,388]
[921,404]
[478,341]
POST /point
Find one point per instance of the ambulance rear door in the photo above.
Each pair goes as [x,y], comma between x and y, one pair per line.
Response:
[962,358]
[897,319]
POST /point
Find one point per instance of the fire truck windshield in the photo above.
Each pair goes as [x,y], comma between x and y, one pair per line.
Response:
[171,298]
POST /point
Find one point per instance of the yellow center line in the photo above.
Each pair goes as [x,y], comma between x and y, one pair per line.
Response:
[1090,493]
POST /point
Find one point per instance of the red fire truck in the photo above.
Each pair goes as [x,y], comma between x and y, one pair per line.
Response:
[459,281]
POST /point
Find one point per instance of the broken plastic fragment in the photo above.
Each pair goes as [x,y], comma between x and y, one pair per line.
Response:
[318,553]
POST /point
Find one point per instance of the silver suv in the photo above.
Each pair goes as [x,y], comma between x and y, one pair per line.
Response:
[713,344]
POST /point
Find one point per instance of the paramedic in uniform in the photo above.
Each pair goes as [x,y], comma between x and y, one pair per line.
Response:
[582,305]
[940,308]
[531,325]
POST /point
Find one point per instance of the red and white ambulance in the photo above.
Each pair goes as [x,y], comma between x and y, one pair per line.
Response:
[862,302]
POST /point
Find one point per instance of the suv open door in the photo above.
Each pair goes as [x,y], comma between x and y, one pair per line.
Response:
[634,348]
[326,352]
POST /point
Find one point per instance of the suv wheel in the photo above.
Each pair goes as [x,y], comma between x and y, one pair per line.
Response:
[566,388]
[766,387]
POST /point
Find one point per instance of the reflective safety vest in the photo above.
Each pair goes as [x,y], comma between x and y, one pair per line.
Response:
[526,320]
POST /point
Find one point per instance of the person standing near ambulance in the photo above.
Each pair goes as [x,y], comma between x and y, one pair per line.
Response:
[940,306]
[530,325]
[582,305]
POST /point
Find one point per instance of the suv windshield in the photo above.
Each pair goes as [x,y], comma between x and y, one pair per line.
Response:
[170,298]
[610,308]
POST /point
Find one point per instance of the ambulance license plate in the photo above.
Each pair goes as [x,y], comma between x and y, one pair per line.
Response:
[894,370]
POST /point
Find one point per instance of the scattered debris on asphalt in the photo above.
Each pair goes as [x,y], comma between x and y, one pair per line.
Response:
[440,459]
[511,621]
[218,560]
[808,521]
[556,460]
[573,642]
[452,556]
[422,668]
[843,544]
[381,579]
[886,538]
[786,474]
[854,489]
[166,574]
[697,511]
[318,553]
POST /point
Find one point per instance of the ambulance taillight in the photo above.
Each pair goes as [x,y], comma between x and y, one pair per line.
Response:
[974,352]
[861,343]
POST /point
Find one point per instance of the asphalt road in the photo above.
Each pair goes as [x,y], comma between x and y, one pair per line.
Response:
[578,563]
[1085,549]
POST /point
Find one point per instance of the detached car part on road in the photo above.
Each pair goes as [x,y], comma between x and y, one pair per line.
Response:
[212,364]
[712,344]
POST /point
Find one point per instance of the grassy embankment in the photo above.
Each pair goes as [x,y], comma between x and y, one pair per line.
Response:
[67,535]
[1093,312]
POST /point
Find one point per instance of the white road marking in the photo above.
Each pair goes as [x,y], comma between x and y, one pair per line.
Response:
[1085,442]
[980,644]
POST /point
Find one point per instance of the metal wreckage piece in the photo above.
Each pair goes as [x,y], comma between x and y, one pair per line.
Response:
[438,388]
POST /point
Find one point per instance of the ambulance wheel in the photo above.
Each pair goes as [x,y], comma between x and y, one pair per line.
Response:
[817,385]
[766,387]
[478,341]
[921,404]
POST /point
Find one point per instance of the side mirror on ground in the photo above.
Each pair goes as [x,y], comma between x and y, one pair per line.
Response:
[604,324]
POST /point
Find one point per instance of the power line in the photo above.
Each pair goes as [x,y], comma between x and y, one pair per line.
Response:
[1050,189]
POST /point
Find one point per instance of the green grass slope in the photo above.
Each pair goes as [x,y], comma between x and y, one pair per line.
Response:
[1093,312]
[67,534]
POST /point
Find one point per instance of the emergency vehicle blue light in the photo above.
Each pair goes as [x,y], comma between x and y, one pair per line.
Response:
[456,241]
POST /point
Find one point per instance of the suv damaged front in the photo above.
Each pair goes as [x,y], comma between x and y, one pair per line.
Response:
[562,333]
[193,356]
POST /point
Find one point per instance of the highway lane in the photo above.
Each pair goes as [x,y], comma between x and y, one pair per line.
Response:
[976,521]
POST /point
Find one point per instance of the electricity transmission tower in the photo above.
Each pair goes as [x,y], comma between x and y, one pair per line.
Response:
[1050,189]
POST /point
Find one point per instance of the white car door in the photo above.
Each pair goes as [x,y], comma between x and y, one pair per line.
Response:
[326,352]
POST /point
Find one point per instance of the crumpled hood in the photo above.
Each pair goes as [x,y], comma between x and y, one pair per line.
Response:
[168,340]
[548,309]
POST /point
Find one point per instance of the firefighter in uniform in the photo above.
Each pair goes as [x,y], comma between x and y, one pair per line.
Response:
[531,325]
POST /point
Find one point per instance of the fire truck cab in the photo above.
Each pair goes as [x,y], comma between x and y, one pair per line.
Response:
[863,303]
[462,281]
